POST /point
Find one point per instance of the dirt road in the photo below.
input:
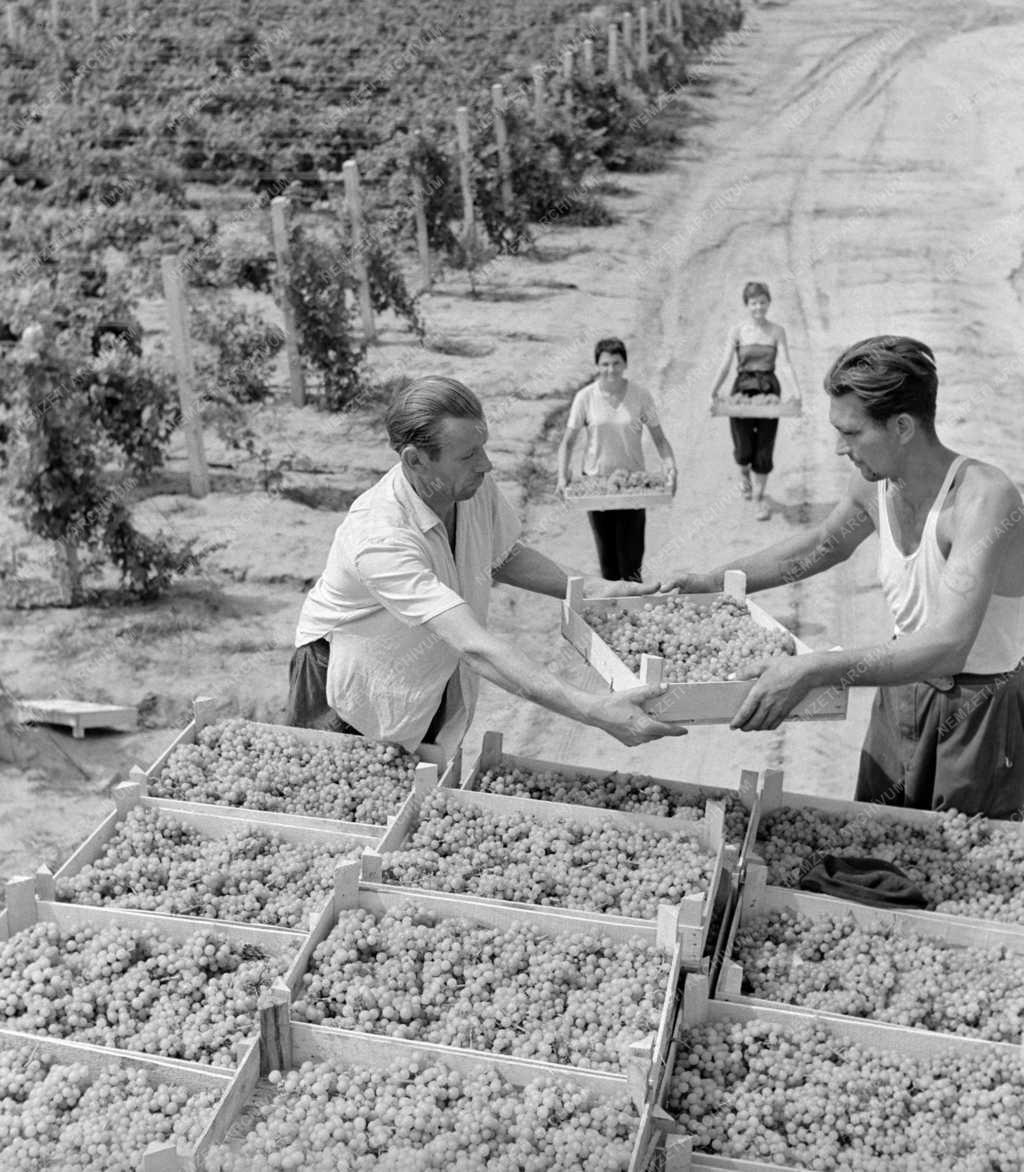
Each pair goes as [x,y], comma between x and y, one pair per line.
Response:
[859,157]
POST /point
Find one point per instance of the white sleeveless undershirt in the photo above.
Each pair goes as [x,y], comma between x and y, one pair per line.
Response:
[910,583]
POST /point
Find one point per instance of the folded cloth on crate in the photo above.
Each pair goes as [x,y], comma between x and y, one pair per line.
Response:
[871,881]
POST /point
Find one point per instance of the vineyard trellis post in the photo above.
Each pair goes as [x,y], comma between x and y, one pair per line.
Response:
[588,59]
[94,12]
[54,16]
[354,199]
[627,45]
[13,28]
[501,137]
[613,52]
[644,38]
[280,208]
[567,63]
[419,212]
[181,347]
[667,17]
[466,179]
[538,91]
[677,15]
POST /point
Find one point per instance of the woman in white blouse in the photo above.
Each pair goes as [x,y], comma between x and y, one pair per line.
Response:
[614,411]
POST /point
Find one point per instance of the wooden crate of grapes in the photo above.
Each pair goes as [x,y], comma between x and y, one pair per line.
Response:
[762,1089]
[519,970]
[279,769]
[963,866]
[115,1109]
[619,490]
[915,969]
[704,638]
[177,858]
[756,407]
[581,859]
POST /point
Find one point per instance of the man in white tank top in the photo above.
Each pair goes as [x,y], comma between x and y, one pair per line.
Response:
[947,727]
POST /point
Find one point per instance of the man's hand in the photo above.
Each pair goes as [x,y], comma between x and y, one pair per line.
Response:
[782,683]
[603,588]
[623,716]
[688,582]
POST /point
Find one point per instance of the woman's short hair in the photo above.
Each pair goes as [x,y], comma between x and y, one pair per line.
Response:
[755,289]
[418,410]
[891,375]
[610,346]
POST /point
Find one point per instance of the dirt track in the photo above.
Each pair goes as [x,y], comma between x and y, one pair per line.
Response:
[858,157]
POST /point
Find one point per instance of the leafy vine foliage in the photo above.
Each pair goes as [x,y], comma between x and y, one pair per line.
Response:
[83,432]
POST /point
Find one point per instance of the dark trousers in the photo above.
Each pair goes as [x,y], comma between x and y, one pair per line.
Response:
[960,748]
[753,443]
[619,537]
[307,694]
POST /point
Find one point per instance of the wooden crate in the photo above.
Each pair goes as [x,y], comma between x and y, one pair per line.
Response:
[492,757]
[697,1007]
[759,898]
[647,1055]
[692,916]
[232,1087]
[78,715]
[25,908]
[211,822]
[633,498]
[739,407]
[712,702]
[433,765]
[311,1043]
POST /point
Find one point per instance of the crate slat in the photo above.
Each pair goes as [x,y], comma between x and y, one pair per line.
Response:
[735,407]
[601,501]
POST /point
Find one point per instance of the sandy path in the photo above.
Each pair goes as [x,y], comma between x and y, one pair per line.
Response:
[860,159]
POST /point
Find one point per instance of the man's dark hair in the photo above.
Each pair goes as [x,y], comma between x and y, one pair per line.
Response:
[418,410]
[610,346]
[891,375]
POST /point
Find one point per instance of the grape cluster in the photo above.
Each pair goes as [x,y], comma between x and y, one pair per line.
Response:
[576,1000]
[902,977]
[699,641]
[765,399]
[629,793]
[156,863]
[802,1096]
[58,1114]
[243,763]
[614,869]
[420,1115]
[134,989]
[963,866]
[620,480]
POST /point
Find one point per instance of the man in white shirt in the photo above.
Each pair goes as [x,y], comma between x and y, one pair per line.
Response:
[392,638]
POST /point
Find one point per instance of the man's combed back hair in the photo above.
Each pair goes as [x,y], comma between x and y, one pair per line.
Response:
[891,375]
[418,410]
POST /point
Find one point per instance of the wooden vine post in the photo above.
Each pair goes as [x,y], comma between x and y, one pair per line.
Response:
[677,16]
[504,159]
[13,29]
[181,346]
[614,71]
[627,44]
[280,208]
[466,180]
[419,211]
[54,16]
[354,199]
[588,59]
[644,41]
[538,91]
[669,15]
[567,61]
[94,11]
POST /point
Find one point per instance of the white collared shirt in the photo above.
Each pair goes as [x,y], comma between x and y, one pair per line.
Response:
[390,570]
